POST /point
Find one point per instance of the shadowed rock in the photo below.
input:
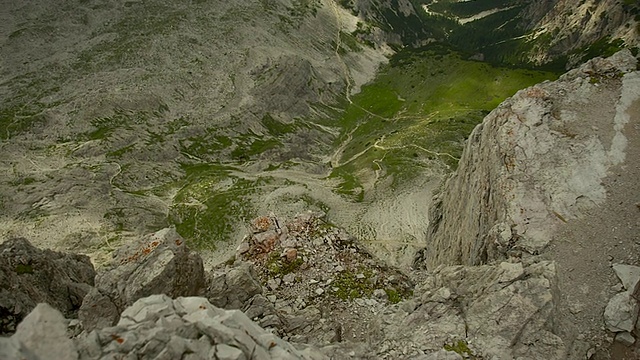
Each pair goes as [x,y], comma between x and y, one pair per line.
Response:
[29,276]
[232,288]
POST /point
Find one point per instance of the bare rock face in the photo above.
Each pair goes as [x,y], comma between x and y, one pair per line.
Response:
[29,276]
[232,288]
[534,163]
[159,263]
[504,311]
[575,24]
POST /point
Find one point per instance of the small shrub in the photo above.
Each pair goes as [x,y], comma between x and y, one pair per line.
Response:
[24,269]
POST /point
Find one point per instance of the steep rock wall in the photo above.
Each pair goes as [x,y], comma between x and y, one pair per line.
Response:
[569,25]
[534,163]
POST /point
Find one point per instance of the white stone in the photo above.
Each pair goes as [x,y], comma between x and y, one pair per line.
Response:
[289,278]
[226,352]
[629,275]
[149,308]
[441,295]
[192,304]
[44,333]
[272,284]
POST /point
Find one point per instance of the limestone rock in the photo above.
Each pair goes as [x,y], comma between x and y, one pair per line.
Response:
[636,291]
[260,309]
[533,164]
[29,276]
[44,333]
[187,327]
[155,327]
[159,263]
[505,310]
[621,313]
[629,275]
[232,288]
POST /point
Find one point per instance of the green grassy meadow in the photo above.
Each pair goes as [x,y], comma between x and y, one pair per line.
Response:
[422,105]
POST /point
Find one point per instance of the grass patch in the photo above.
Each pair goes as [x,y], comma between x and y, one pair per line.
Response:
[26,104]
[24,269]
[278,267]
[349,185]
[462,348]
[277,128]
[105,126]
[250,146]
[211,203]
[350,286]
[23,181]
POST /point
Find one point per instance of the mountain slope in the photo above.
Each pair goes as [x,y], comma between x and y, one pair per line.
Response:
[114,105]
[122,118]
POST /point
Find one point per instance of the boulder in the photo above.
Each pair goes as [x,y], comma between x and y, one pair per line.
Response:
[155,327]
[41,335]
[261,310]
[621,313]
[629,275]
[12,349]
[29,276]
[159,263]
[505,310]
[98,311]
[231,288]
[44,333]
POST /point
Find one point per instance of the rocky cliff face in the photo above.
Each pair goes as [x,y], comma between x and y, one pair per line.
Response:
[552,174]
[566,26]
[536,162]
[29,276]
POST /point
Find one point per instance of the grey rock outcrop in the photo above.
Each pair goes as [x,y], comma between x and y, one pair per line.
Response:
[576,25]
[629,275]
[503,311]
[625,338]
[158,327]
[29,276]
[155,327]
[232,288]
[533,164]
[44,333]
[159,263]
